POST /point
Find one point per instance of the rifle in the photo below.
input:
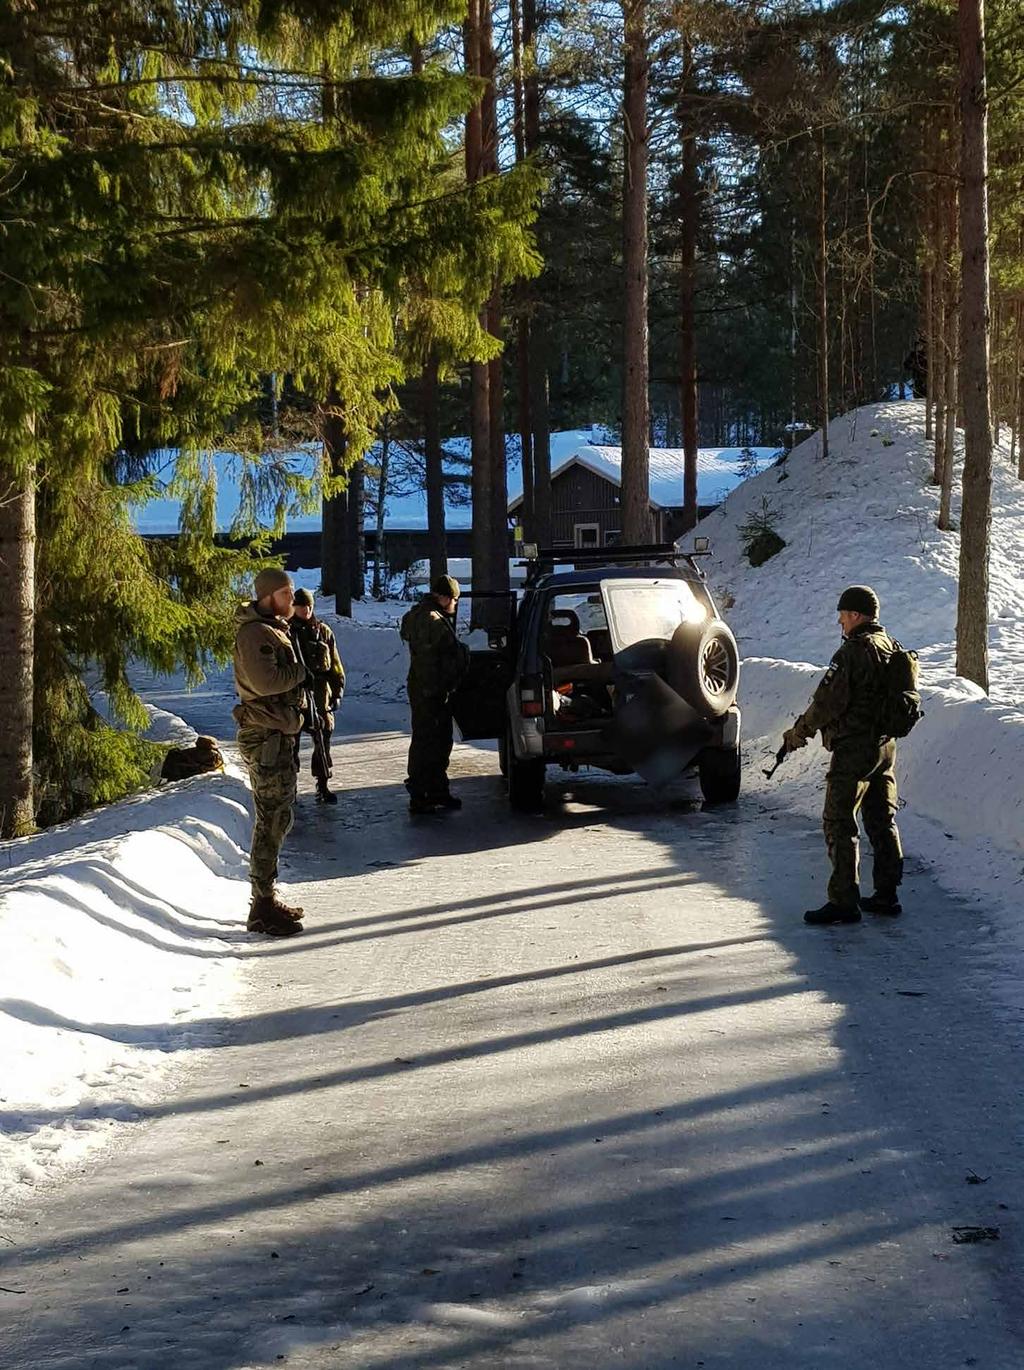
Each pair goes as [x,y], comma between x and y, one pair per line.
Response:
[780,757]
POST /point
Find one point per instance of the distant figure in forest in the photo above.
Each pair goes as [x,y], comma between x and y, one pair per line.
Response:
[317,648]
[270,681]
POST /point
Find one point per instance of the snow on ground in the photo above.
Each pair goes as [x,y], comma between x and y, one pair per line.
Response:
[867,515]
[120,930]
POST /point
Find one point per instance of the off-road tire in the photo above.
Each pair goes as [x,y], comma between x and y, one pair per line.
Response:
[703,666]
[719,769]
[525,781]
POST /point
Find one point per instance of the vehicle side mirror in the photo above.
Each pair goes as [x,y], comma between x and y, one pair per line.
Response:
[702,546]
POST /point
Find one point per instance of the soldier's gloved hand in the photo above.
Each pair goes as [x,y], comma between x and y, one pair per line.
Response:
[792,740]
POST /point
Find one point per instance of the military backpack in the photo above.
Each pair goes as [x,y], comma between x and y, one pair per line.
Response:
[901,702]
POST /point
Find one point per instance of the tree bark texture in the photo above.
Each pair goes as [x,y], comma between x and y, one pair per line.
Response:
[976,515]
[17,641]
[636,496]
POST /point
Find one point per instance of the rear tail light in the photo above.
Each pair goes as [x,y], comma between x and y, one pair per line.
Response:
[531,697]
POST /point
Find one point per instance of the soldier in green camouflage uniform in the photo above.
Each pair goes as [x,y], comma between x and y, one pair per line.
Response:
[846,709]
[269,680]
[437,661]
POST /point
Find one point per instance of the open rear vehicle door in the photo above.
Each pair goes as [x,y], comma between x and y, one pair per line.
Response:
[676,670]
[478,705]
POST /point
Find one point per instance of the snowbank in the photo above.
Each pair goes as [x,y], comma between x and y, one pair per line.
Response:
[121,931]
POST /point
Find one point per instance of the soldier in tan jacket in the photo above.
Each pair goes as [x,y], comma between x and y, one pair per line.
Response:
[269,680]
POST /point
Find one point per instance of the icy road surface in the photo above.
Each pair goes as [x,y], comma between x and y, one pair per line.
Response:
[574,1090]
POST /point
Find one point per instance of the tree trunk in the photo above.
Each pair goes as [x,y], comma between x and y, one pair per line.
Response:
[975,521]
[382,497]
[540,428]
[822,288]
[522,293]
[1017,437]
[17,641]
[356,537]
[498,578]
[928,291]
[334,570]
[636,494]
[949,443]
[437,541]
[479,372]
[944,231]
[689,208]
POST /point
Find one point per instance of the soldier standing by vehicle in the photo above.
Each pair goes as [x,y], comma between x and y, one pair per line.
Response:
[848,708]
[269,680]
[437,662]
[317,649]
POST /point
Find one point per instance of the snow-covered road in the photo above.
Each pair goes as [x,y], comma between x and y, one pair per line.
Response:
[574,1090]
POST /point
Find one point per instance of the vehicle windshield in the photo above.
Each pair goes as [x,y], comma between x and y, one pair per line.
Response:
[639,610]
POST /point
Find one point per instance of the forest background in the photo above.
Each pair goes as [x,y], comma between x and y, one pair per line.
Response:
[258,223]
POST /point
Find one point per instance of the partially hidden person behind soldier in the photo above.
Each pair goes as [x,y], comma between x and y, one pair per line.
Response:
[317,648]
[269,680]
[847,709]
[437,662]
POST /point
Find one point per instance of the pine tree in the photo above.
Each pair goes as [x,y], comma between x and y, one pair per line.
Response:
[181,220]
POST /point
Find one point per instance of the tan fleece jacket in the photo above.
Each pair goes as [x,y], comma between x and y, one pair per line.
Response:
[268,677]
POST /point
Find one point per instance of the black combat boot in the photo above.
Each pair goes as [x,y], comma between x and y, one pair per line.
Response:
[272,918]
[832,913]
[880,902]
[421,804]
[323,794]
[449,801]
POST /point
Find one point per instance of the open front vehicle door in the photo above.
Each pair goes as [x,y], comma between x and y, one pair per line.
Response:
[478,705]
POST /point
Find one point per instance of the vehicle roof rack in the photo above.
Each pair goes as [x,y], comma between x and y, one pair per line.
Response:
[547,558]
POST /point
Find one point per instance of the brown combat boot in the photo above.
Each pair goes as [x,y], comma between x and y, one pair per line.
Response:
[273,919]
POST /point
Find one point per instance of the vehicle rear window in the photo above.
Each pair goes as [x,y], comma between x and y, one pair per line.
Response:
[642,609]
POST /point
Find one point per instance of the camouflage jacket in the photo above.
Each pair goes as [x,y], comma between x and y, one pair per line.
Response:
[268,675]
[318,649]
[437,659]
[848,700]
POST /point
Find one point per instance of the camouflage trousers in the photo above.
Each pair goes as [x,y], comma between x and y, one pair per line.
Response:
[431,746]
[862,780]
[270,757]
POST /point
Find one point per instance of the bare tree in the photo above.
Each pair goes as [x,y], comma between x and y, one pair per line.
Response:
[636,498]
[479,382]
[17,621]
[689,202]
[976,516]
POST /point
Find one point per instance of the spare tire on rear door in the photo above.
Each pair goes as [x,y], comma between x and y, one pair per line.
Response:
[702,664]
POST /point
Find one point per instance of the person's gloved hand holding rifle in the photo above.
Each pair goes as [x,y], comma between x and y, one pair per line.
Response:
[792,741]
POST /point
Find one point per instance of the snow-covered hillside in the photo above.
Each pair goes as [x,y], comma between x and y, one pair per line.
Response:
[867,515]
